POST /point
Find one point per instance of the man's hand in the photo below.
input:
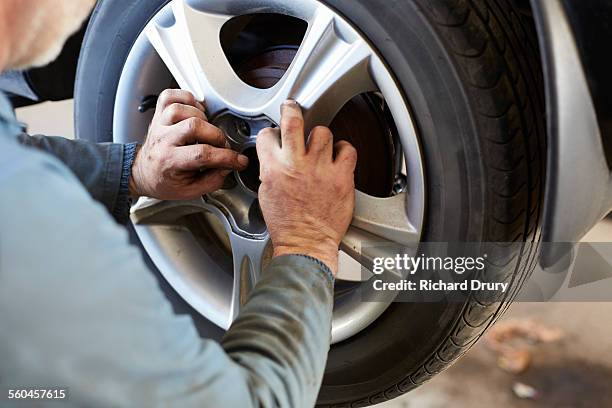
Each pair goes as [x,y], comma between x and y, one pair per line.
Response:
[307,197]
[183,156]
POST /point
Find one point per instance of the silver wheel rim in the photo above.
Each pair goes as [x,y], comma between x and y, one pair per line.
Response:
[333,64]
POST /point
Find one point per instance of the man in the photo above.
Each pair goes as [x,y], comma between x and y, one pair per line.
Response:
[79,309]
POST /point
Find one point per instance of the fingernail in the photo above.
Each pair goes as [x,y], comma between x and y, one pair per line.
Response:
[290,102]
[243,160]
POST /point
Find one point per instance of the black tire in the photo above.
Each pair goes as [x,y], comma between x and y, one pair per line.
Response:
[470,71]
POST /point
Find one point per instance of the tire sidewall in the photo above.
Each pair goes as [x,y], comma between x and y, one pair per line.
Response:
[114,27]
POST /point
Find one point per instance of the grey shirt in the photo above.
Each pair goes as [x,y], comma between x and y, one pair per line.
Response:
[79,309]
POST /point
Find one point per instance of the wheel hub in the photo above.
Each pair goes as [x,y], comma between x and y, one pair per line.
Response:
[374,173]
[238,198]
[371,134]
[241,134]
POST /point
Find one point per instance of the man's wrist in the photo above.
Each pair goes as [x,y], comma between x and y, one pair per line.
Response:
[133,185]
[328,256]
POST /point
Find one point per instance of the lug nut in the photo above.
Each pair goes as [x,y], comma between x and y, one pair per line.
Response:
[400,184]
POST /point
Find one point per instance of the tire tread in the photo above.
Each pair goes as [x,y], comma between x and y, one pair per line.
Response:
[498,58]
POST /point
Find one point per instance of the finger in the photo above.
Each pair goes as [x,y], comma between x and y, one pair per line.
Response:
[201,105]
[196,130]
[196,157]
[170,96]
[346,155]
[268,144]
[321,144]
[177,112]
[292,128]
[209,182]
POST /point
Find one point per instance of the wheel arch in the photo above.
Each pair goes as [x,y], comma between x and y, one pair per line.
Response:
[578,185]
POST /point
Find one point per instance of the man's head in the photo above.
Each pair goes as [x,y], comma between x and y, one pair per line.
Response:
[33,32]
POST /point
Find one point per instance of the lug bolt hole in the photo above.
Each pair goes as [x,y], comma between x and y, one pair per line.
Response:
[250,176]
[242,128]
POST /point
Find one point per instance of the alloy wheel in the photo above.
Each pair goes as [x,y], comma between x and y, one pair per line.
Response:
[212,250]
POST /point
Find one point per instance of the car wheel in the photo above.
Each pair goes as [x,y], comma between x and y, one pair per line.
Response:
[443,100]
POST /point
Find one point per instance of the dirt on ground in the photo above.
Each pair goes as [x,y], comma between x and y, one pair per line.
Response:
[573,369]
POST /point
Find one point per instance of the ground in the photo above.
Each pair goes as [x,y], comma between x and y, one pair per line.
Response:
[575,371]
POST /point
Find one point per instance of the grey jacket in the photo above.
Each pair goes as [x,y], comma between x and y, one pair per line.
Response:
[80,310]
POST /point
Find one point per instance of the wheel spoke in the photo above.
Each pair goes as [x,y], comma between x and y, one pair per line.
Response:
[385,218]
[248,256]
[328,70]
[168,34]
[189,43]
[382,224]
[247,252]
[151,211]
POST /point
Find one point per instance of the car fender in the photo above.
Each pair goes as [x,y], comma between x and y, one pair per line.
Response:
[578,184]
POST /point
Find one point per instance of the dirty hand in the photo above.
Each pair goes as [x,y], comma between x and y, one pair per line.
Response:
[183,156]
[307,197]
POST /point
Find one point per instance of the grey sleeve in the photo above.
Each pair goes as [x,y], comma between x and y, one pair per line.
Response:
[82,311]
[282,336]
[103,168]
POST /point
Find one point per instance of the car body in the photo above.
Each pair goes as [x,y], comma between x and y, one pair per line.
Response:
[573,35]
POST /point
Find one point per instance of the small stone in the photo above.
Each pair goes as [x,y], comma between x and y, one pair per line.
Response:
[524,391]
[514,361]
